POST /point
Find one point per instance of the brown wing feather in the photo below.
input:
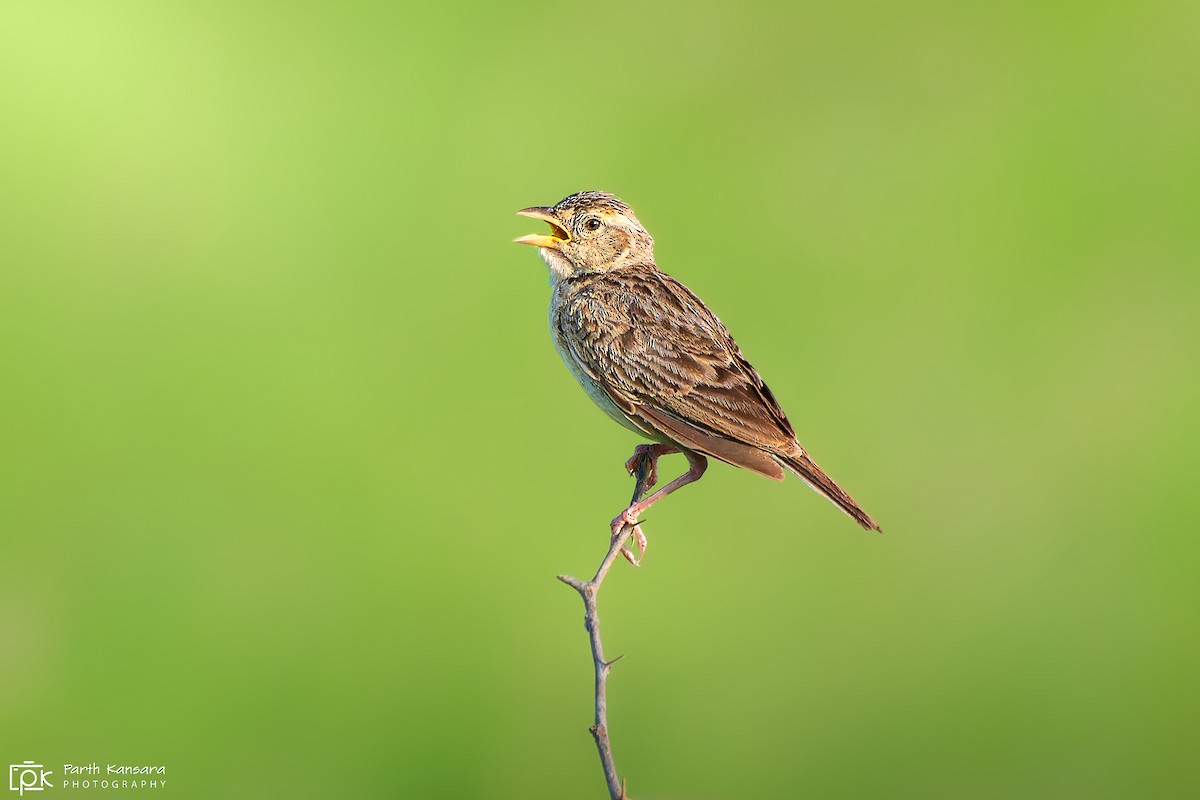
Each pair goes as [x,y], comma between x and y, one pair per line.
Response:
[731,452]
[662,355]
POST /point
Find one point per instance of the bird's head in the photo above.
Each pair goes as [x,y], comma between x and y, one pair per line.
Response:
[589,232]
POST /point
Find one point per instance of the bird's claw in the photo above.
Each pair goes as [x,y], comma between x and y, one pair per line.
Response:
[639,539]
[635,461]
[626,517]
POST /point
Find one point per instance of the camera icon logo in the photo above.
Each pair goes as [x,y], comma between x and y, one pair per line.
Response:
[27,777]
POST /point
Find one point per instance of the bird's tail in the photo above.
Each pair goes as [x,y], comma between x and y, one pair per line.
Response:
[807,470]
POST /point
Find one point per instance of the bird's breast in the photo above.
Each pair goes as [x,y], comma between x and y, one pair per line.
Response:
[595,391]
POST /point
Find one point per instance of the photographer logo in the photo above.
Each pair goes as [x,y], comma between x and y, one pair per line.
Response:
[31,777]
[27,777]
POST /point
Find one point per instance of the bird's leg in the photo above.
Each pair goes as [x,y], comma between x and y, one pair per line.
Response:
[651,453]
[696,466]
[654,451]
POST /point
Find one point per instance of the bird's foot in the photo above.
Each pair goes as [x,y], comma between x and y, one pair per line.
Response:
[630,517]
[635,460]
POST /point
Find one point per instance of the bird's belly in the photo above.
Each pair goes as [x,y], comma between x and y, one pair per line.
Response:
[593,389]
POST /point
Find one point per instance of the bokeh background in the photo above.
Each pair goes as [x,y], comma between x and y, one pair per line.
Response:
[289,462]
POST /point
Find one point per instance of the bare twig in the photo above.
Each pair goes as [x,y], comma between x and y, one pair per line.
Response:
[591,621]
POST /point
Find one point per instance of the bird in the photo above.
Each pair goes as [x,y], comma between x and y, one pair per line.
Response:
[657,360]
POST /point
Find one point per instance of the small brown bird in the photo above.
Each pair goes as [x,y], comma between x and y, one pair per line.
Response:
[654,357]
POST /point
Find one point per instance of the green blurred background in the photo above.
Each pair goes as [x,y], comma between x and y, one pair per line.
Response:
[289,462]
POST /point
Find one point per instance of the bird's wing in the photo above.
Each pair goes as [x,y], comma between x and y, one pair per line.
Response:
[668,363]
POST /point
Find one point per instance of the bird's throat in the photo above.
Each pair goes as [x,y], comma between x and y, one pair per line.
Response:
[560,266]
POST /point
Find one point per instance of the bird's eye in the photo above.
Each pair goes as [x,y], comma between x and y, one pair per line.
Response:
[592,224]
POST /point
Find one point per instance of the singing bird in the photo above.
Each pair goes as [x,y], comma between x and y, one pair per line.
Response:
[653,356]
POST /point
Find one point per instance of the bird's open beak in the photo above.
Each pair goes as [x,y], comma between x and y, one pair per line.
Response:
[552,240]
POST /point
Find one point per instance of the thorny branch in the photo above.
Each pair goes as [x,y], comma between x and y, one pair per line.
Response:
[591,621]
